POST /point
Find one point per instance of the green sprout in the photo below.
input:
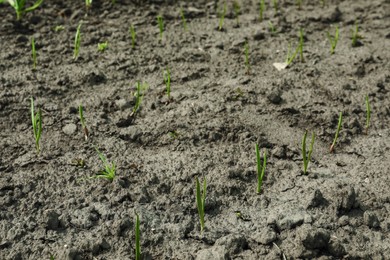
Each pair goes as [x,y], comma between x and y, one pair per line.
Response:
[275,4]
[307,156]
[368,114]
[137,238]
[299,4]
[167,79]
[333,40]
[109,168]
[88,4]
[262,9]
[272,28]
[82,120]
[260,169]
[160,26]
[337,132]
[200,202]
[183,20]
[34,53]
[248,66]
[59,28]
[139,94]
[236,7]
[300,46]
[222,17]
[291,56]
[323,2]
[20,7]
[356,36]
[77,40]
[133,36]
[102,46]
[36,124]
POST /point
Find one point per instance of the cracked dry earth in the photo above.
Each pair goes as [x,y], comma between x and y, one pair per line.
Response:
[217,113]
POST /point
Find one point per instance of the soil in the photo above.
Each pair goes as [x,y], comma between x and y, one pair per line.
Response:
[218,111]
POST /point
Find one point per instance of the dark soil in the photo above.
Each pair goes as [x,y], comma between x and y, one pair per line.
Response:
[217,113]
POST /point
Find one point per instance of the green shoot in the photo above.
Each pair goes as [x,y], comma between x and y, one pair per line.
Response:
[368,114]
[88,4]
[248,66]
[102,46]
[34,53]
[262,9]
[299,4]
[77,40]
[20,8]
[236,7]
[322,3]
[307,156]
[139,94]
[275,4]
[200,202]
[137,238]
[36,124]
[82,120]
[260,169]
[337,132]
[59,28]
[356,36]
[333,40]
[160,26]
[291,56]
[183,20]
[109,168]
[52,257]
[222,17]
[133,36]
[167,79]
[300,46]
[272,28]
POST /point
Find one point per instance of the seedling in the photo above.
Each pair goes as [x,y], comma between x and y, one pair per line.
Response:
[59,28]
[260,169]
[109,168]
[137,238]
[333,40]
[337,132]
[236,7]
[20,7]
[34,53]
[133,36]
[183,20]
[82,120]
[200,202]
[307,156]
[368,114]
[272,28]
[77,40]
[300,46]
[323,2]
[88,4]
[102,46]
[160,26]
[356,36]
[275,4]
[139,94]
[222,17]
[291,56]
[262,9]
[167,79]
[299,4]
[36,124]
[248,66]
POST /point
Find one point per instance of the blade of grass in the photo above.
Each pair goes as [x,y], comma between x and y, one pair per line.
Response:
[183,19]
[337,132]
[333,40]
[133,36]
[200,202]
[137,238]
[77,40]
